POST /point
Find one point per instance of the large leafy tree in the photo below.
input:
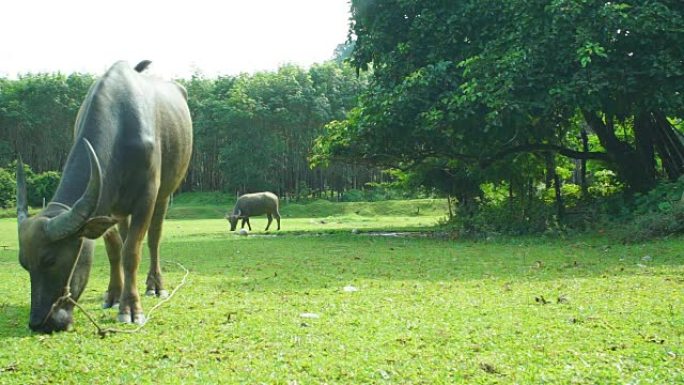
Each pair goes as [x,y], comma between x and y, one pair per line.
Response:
[472,83]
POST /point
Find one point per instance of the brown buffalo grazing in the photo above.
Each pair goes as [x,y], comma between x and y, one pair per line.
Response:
[254,204]
[132,146]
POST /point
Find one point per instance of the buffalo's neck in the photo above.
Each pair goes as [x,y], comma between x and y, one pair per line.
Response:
[76,173]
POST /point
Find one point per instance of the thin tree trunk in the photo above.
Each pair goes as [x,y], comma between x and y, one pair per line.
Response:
[451,212]
[583,163]
[553,176]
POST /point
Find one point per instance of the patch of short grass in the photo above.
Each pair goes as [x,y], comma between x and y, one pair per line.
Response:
[425,311]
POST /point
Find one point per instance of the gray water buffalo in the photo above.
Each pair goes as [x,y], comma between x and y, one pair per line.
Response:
[254,204]
[132,146]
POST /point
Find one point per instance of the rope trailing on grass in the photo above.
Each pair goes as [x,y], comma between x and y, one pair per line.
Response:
[102,332]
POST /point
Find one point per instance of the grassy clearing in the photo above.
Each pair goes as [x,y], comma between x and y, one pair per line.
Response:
[215,205]
[426,311]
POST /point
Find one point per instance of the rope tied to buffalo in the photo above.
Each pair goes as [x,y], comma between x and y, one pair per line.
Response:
[101,331]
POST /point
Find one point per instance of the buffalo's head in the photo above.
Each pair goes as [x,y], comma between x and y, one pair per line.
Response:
[56,244]
[233,220]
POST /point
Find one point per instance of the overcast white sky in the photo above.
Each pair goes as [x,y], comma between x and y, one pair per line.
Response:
[180,37]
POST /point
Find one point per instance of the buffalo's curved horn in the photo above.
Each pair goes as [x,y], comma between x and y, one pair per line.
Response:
[22,202]
[71,221]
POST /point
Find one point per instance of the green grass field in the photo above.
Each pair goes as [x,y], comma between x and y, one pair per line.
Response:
[274,309]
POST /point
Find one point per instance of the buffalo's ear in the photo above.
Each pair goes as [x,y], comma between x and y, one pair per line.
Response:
[95,227]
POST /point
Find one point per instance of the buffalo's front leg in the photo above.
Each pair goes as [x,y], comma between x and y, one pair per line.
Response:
[155,283]
[113,244]
[130,309]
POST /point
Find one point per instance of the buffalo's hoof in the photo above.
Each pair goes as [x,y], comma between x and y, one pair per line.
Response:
[161,294]
[110,301]
[137,318]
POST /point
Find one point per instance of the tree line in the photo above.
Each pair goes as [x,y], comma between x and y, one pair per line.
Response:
[252,132]
[255,132]
[518,109]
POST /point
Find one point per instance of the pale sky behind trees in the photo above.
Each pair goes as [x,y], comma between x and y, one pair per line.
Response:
[180,37]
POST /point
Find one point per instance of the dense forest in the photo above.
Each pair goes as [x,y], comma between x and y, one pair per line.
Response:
[255,132]
[522,113]
[251,132]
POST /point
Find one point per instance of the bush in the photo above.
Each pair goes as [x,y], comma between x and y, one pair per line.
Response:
[39,186]
[570,192]
[663,198]
[7,188]
[605,184]
[658,213]
[655,225]
[508,218]
[353,196]
[42,186]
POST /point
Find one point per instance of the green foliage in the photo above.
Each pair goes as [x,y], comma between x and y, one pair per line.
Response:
[605,184]
[511,217]
[353,196]
[658,213]
[663,198]
[42,187]
[255,132]
[251,132]
[585,53]
[8,188]
[37,114]
[571,193]
[655,224]
[461,97]
[38,186]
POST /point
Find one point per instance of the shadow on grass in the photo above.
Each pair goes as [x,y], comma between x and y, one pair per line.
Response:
[310,262]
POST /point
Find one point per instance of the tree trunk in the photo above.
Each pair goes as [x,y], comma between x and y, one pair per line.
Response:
[451,212]
[583,163]
[633,167]
[669,143]
[553,176]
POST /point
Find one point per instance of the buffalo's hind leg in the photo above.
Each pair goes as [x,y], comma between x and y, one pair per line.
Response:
[270,219]
[155,283]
